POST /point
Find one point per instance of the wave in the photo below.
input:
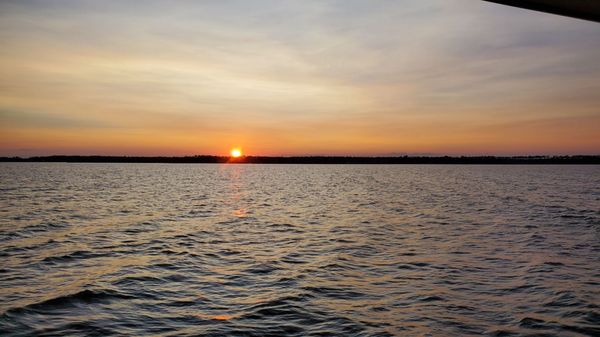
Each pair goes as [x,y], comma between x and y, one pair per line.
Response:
[86,296]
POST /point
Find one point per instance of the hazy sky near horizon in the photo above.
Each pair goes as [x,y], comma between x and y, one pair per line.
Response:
[285,77]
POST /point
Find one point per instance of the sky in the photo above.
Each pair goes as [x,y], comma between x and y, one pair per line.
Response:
[304,77]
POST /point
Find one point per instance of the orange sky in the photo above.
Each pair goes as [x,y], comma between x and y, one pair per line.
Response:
[295,78]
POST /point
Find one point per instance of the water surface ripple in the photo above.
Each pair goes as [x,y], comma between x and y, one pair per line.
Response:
[293,250]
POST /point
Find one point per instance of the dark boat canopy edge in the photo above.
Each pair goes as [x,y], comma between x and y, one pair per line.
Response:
[581,9]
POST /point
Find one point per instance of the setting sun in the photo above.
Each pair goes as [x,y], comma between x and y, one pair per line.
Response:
[236,153]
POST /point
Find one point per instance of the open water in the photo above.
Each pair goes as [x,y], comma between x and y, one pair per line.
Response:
[299,250]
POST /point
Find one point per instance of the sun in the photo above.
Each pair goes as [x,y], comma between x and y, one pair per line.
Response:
[236,153]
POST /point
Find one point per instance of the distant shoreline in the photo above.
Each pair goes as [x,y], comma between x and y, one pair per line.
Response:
[206,159]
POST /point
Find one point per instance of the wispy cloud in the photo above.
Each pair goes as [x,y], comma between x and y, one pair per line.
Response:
[30,119]
[281,76]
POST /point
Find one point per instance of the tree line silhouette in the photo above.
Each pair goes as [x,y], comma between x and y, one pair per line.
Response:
[580,159]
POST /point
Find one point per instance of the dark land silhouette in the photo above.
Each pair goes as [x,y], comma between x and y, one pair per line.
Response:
[491,160]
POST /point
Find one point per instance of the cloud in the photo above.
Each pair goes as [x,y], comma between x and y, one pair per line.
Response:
[342,72]
[10,118]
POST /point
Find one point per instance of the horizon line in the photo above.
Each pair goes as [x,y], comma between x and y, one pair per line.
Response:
[210,159]
[407,155]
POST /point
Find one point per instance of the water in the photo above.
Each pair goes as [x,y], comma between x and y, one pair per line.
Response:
[313,250]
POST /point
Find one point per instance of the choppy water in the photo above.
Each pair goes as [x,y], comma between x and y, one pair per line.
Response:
[284,250]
